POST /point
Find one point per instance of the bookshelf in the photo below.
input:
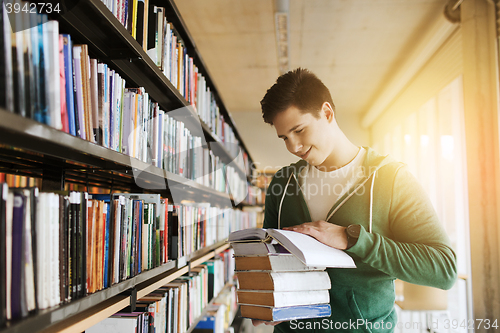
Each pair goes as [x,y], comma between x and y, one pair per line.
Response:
[92,23]
[44,148]
[204,312]
[82,313]
[33,149]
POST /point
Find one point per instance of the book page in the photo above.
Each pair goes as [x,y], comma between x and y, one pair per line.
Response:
[311,251]
[248,235]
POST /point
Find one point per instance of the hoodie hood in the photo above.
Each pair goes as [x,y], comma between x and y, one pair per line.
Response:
[373,161]
[297,171]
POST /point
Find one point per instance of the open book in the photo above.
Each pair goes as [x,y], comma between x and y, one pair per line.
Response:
[309,250]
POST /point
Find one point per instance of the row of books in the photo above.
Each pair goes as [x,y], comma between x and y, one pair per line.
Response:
[199,225]
[188,155]
[63,246]
[27,87]
[44,78]
[172,308]
[222,268]
[220,314]
[148,24]
[19,181]
[255,196]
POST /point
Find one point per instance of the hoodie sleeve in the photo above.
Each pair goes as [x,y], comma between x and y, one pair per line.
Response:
[418,250]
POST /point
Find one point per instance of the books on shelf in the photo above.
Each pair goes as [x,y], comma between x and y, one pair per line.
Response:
[220,314]
[59,247]
[63,246]
[148,24]
[45,78]
[177,305]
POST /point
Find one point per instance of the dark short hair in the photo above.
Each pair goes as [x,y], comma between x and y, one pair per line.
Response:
[299,88]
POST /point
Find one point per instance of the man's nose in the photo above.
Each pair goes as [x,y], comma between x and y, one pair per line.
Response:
[295,146]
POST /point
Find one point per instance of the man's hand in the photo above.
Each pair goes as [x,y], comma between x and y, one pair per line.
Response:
[327,233]
[256,322]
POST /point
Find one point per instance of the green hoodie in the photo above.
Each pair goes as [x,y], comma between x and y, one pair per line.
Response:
[404,240]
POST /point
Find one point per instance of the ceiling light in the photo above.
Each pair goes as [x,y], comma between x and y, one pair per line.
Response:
[282,27]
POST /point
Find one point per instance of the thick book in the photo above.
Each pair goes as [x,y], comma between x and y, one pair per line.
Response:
[18,300]
[78,93]
[82,240]
[41,60]
[17,41]
[273,262]
[29,67]
[62,87]
[6,79]
[139,27]
[63,247]
[108,245]
[94,101]
[52,71]
[309,250]
[285,313]
[284,281]
[29,268]
[87,99]
[102,106]
[283,298]
[68,72]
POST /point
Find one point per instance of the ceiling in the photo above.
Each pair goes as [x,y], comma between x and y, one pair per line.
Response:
[354,46]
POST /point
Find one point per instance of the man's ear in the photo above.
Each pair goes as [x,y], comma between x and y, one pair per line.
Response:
[328,111]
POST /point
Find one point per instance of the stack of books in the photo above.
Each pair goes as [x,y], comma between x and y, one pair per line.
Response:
[281,274]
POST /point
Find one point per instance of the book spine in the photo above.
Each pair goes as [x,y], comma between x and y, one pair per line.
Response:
[18,299]
[54,112]
[84,242]
[68,72]
[106,245]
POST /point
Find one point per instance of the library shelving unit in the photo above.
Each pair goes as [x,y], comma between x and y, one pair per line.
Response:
[204,312]
[29,148]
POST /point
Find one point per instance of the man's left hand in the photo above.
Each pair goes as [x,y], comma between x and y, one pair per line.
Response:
[327,233]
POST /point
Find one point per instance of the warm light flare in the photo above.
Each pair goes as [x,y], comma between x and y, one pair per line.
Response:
[447,145]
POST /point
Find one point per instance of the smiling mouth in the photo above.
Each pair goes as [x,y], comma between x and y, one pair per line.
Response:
[306,154]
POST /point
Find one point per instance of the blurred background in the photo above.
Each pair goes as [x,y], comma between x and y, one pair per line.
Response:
[414,79]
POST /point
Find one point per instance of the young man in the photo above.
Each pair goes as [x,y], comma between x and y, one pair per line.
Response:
[353,199]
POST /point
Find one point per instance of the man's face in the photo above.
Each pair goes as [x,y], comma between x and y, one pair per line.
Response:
[306,136]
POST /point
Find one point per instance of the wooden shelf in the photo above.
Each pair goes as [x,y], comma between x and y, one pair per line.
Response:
[40,148]
[204,312]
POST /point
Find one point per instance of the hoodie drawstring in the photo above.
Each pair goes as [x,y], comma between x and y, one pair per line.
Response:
[329,216]
[371,202]
[281,202]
